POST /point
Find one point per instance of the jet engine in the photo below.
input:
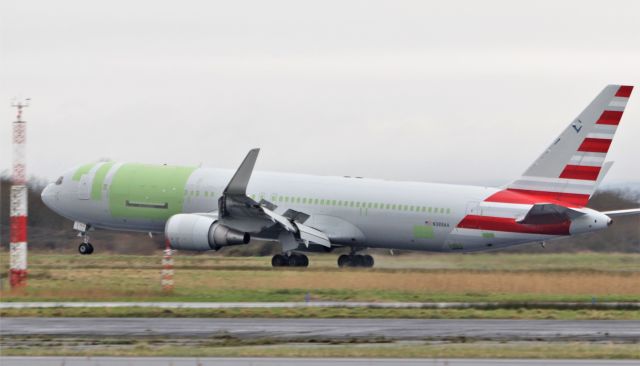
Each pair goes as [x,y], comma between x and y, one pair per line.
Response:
[200,233]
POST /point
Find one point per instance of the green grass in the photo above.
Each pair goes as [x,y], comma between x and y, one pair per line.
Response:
[606,262]
[509,278]
[270,348]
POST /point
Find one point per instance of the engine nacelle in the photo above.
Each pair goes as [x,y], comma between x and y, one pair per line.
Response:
[200,233]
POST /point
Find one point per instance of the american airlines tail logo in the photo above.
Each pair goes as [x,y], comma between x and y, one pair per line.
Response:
[576,127]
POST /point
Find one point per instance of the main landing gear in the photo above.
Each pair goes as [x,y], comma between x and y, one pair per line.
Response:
[292,260]
[355,260]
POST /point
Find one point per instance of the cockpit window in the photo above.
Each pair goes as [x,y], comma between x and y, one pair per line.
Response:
[59,181]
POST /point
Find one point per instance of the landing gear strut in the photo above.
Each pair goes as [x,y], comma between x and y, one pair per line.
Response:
[85,247]
[292,260]
[355,260]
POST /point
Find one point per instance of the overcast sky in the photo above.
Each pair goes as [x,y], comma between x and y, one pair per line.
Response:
[447,91]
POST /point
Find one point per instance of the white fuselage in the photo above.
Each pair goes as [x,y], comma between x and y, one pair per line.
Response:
[352,211]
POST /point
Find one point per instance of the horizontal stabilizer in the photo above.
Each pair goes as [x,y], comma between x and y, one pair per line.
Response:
[548,213]
[629,212]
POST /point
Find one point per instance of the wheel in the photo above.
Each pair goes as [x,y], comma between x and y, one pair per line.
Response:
[357,261]
[368,261]
[343,261]
[90,248]
[84,248]
[278,260]
[297,260]
[305,261]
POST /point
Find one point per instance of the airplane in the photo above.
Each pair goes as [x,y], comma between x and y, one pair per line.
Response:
[201,209]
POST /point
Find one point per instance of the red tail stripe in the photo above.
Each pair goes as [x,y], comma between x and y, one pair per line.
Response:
[18,229]
[610,118]
[580,172]
[525,196]
[510,225]
[595,145]
[624,91]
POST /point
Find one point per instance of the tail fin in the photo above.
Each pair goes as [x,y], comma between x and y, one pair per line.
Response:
[570,169]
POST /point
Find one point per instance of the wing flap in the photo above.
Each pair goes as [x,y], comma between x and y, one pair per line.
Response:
[309,234]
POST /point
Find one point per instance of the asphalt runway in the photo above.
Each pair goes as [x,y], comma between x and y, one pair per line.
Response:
[292,329]
[192,361]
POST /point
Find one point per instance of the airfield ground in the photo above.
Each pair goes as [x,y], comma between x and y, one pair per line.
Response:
[510,279]
[581,277]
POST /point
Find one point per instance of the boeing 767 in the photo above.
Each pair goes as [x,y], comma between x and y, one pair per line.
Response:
[203,209]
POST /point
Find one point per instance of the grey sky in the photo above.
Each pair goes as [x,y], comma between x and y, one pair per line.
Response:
[407,90]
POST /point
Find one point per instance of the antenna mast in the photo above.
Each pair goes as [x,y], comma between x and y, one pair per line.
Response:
[19,201]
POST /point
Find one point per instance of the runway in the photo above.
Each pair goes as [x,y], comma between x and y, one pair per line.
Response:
[340,329]
[192,361]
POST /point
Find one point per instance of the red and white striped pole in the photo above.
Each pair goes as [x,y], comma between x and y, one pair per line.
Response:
[18,210]
[167,268]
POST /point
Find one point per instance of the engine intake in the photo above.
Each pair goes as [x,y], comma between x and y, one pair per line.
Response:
[200,233]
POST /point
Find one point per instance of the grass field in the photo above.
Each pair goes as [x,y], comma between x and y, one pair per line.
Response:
[479,277]
[229,347]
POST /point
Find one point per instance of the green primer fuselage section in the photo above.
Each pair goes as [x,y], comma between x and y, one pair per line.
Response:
[84,169]
[98,179]
[135,185]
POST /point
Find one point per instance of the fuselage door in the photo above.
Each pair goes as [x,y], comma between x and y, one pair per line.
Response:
[84,187]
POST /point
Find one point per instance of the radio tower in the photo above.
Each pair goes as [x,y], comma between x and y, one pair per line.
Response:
[18,211]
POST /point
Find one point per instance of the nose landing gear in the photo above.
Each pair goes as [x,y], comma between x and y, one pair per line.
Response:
[85,247]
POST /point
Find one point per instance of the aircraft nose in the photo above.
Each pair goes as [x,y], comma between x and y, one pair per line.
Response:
[48,195]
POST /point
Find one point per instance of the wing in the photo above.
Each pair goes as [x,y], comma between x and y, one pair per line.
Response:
[238,211]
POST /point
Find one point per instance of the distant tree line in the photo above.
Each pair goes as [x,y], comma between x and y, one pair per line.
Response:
[51,232]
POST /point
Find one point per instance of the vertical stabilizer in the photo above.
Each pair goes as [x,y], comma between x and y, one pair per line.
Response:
[569,170]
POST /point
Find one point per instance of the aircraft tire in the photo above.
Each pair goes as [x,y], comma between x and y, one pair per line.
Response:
[368,261]
[279,260]
[294,260]
[344,261]
[304,261]
[84,248]
[357,261]
[90,248]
